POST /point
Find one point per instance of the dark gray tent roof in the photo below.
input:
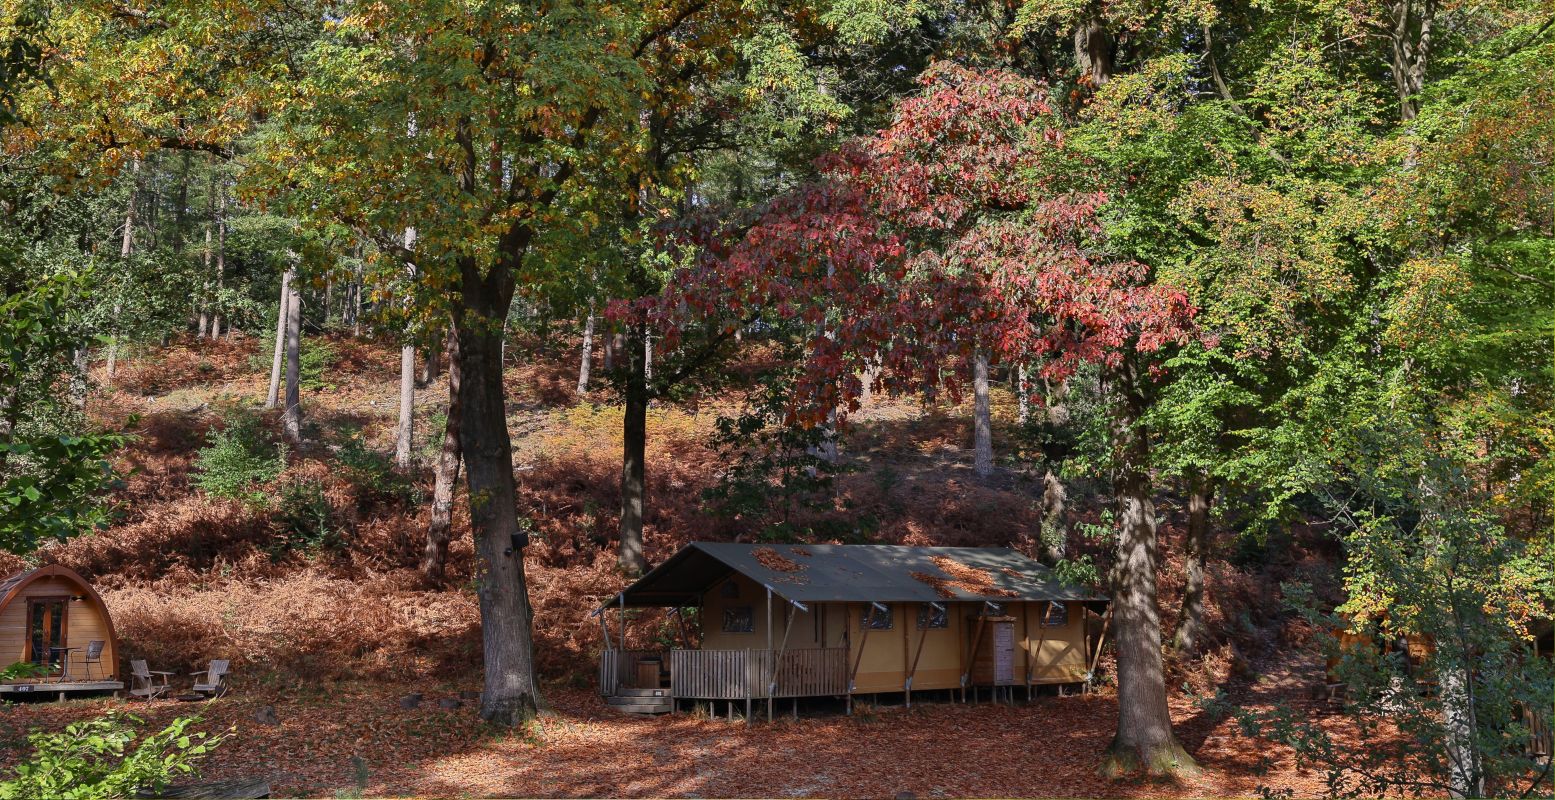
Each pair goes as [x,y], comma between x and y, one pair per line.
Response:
[858,573]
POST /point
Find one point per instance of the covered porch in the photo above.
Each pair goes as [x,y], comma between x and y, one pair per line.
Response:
[649,681]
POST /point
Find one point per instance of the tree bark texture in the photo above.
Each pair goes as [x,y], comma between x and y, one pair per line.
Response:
[273,396]
[1191,628]
[982,419]
[1144,739]
[435,558]
[126,248]
[1410,38]
[510,695]
[587,359]
[407,421]
[635,433]
[291,414]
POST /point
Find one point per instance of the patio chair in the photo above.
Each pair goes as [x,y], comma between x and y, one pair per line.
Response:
[93,656]
[215,681]
[145,682]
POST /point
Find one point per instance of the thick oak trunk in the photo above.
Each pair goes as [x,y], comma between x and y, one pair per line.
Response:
[1093,46]
[635,434]
[435,558]
[982,420]
[510,695]
[1191,628]
[1144,739]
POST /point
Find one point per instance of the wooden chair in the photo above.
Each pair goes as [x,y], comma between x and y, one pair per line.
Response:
[93,655]
[215,681]
[145,681]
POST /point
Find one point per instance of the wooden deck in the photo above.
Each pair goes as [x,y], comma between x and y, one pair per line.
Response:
[46,688]
[725,674]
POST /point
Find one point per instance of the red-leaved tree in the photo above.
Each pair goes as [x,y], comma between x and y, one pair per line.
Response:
[938,239]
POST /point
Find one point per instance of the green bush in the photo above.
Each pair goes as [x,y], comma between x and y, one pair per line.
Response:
[373,473]
[95,759]
[238,457]
[305,520]
[315,358]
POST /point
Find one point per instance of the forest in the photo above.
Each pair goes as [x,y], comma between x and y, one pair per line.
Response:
[376,348]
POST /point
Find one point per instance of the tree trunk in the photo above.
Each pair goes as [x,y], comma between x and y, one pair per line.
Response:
[273,396]
[1144,738]
[291,414]
[635,435]
[221,260]
[1191,629]
[204,325]
[1055,516]
[1410,38]
[1093,52]
[511,696]
[432,366]
[982,422]
[607,359]
[126,248]
[1022,395]
[434,559]
[402,441]
[588,352]
[1465,770]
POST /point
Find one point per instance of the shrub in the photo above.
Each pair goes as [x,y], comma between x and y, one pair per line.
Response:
[237,457]
[372,473]
[306,520]
[93,759]
[316,358]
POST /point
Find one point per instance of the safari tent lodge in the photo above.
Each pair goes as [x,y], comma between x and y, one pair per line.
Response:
[793,621]
[53,620]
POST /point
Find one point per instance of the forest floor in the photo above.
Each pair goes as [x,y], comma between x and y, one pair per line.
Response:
[345,740]
[332,638]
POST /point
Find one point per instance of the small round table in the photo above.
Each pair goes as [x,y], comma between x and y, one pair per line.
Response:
[64,662]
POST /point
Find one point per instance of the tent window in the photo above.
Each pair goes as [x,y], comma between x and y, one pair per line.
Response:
[993,609]
[931,617]
[875,619]
[1057,615]
[738,619]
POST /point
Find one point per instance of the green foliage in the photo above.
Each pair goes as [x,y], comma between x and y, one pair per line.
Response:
[373,473]
[316,360]
[22,670]
[100,758]
[776,470]
[1080,571]
[53,468]
[239,458]
[305,521]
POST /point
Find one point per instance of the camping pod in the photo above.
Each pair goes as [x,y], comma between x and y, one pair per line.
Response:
[53,620]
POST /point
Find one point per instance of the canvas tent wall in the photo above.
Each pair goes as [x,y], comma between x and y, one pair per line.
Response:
[908,618]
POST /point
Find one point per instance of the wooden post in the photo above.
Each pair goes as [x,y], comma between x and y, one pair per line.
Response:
[971,663]
[771,654]
[1101,641]
[863,641]
[1041,638]
[922,637]
[907,626]
[622,597]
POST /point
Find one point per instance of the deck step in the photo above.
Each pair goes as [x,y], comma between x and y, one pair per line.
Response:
[641,705]
[631,692]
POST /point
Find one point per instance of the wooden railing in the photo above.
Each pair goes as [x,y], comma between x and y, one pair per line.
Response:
[619,669]
[740,674]
[1540,741]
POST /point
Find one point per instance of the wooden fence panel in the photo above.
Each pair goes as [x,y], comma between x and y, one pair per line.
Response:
[738,674]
